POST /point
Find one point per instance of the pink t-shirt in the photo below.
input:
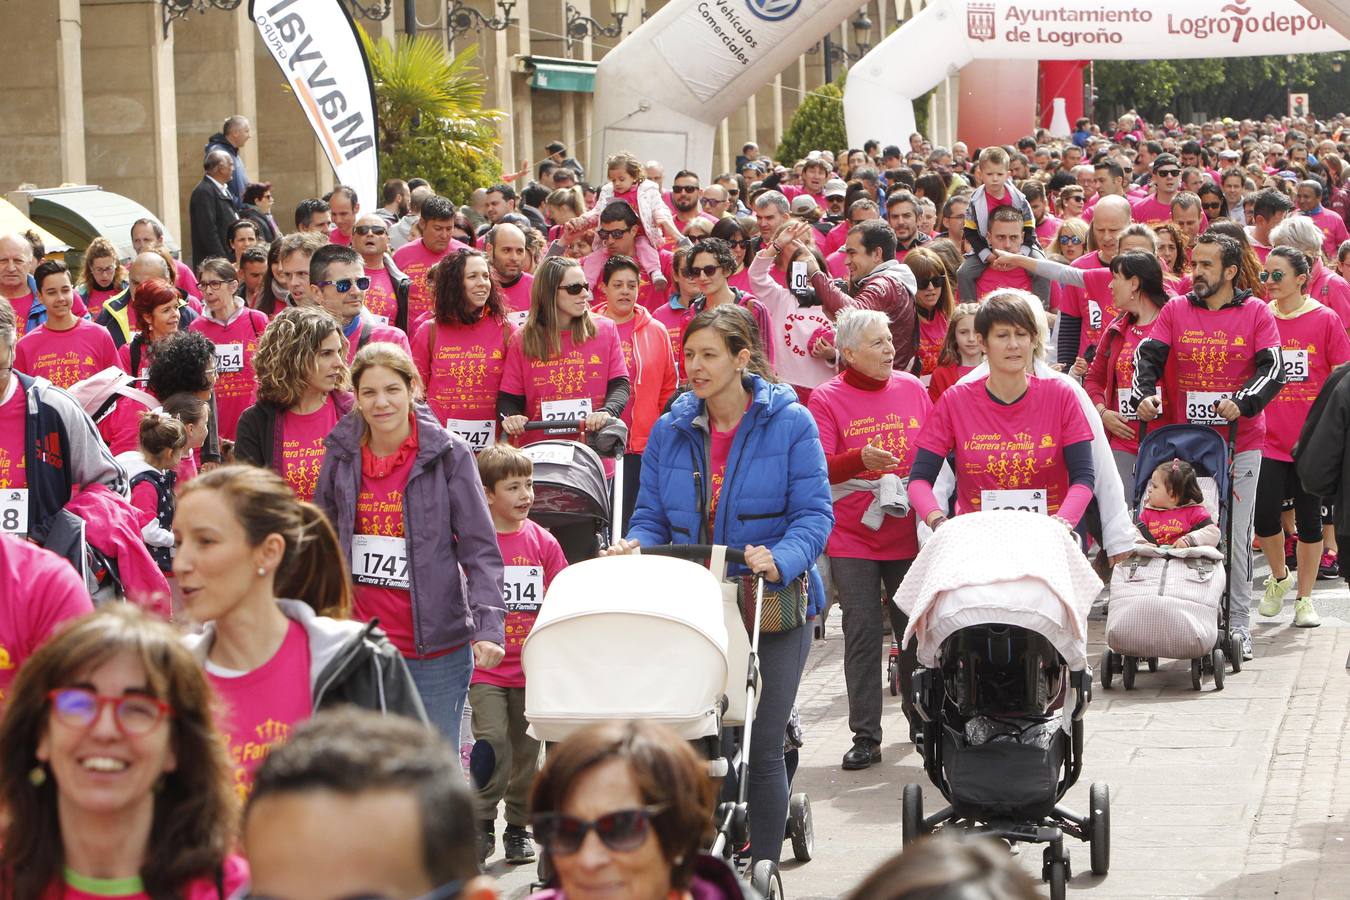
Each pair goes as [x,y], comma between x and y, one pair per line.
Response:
[1092,304]
[381,300]
[335,236]
[372,331]
[720,451]
[379,511]
[234,878]
[1166,525]
[992,203]
[464,373]
[261,707]
[576,373]
[1313,342]
[99,296]
[184,280]
[1330,290]
[415,261]
[13,436]
[40,591]
[1214,351]
[65,357]
[850,418]
[932,333]
[648,296]
[532,559]
[626,344]
[994,279]
[124,358]
[518,298]
[1333,230]
[236,382]
[302,446]
[1151,211]
[1017,446]
[22,307]
[121,428]
[837,236]
[673,318]
[837,264]
[1131,336]
[1045,232]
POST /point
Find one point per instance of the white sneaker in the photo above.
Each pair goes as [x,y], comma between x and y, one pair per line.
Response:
[1276,588]
[1304,614]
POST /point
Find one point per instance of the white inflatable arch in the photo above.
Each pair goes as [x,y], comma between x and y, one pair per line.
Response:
[948,34]
[663,91]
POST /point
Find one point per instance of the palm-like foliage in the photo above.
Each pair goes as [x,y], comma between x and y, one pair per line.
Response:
[420,87]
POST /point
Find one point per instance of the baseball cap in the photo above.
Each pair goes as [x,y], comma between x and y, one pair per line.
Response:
[1229,154]
[835,188]
[803,204]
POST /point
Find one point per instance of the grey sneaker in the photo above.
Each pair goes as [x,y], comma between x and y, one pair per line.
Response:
[1246,644]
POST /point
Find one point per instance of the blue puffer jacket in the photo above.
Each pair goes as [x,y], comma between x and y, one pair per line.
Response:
[776,492]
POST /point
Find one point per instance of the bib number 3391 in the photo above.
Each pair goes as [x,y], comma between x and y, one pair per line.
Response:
[1202,407]
[523,587]
[380,561]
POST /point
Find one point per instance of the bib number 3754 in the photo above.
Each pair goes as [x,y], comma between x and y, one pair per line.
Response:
[380,561]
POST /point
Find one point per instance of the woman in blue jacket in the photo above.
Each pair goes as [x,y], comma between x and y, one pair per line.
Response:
[737,461]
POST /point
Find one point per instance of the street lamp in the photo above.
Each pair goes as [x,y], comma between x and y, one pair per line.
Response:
[171,10]
[836,55]
[375,10]
[580,27]
[461,18]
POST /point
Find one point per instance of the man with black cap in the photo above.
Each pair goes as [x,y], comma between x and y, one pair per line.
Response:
[557,151]
[1156,208]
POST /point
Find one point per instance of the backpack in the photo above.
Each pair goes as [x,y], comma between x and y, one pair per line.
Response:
[98,393]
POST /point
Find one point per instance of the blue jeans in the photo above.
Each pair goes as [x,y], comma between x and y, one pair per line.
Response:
[443,683]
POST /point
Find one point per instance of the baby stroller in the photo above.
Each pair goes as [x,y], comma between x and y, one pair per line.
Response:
[1004,684]
[628,605]
[1174,603]
[571,494]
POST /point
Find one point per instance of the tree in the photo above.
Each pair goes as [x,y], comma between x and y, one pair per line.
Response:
[431,119]
[818,124]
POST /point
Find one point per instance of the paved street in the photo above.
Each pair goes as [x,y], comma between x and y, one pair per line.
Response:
[1239,793]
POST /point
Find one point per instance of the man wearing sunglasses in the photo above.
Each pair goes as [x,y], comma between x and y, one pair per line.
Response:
[618,231]
[685,194]
[360,806]
[338,283]
[1156,208]
[387,296]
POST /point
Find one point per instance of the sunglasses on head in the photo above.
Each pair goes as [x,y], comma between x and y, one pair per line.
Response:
[622,831]
[370,229]
[343,285]
[1277,276]
[705,271]
[575,289]
[684,189]
[1070,239]
[937,281]
[606,234]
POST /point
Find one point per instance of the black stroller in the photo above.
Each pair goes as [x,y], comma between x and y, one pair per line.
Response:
[571,492]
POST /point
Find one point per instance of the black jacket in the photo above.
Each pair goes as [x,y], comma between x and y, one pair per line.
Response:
[402,285]
[350,663]
[266,233]
[1322,463]
[211,214]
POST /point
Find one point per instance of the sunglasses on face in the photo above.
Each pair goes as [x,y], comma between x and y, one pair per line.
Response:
[705,271]
[611,234]
[1277,276]
[709,201]
[135,714]
[1168,173]
[937,281]
[622,831]
[344,285]
[684,189]
[575,289]
[369,229]
[1070,239]
[1212,207]
[733,192]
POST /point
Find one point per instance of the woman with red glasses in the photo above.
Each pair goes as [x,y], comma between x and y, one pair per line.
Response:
[114,782]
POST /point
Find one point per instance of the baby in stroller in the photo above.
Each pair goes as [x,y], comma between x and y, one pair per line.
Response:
[1174,513]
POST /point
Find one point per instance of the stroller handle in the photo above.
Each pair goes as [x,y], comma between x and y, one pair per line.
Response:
[695,552]
[558,426]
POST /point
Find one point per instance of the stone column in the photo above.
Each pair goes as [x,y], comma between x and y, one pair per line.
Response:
[44,101]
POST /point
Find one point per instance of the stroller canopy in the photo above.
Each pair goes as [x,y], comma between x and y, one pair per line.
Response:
[627,637]
[569,482]
[1000,567]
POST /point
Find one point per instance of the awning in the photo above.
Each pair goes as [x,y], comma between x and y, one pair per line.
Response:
[550,73]
[79,214]
[13,220]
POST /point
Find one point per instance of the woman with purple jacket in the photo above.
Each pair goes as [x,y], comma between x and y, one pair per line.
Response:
[405,498]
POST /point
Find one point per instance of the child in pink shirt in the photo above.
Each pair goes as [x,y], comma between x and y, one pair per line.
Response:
[532,558]
[628,182]
[1174,513]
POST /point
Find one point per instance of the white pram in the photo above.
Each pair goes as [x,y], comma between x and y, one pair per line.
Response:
[998,603]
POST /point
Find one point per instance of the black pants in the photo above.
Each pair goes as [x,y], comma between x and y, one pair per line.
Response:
[860,583]
[1278,482]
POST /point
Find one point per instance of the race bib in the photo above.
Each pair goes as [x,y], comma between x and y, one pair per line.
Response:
[1123,405]
[800,280]
[14,511]
[1030,500]
[564,410]
[1200,407]
[517,317]
[383,320]
[1094,315]
[476,433]
[380,561]
[229,358]
[523,587]
[556,454]
[1295,366]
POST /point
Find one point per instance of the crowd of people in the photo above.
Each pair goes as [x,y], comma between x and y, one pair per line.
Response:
[300,457]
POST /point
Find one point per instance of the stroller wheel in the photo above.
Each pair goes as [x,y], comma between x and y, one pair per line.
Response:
[1195,674]
[1131,669]
[911,814]
[1234,652]
[893,676]
[1153,663]
[1218,668]
[800,828]
[1055,869]
[766,881]
[1107,674]
[1099,827]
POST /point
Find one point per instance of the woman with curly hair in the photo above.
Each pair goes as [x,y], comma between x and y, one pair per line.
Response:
[460,350]
[1174,252]
[103,275]
[183,363]
[302,393]
[113,778]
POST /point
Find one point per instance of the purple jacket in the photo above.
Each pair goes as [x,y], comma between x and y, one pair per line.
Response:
[446,520]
